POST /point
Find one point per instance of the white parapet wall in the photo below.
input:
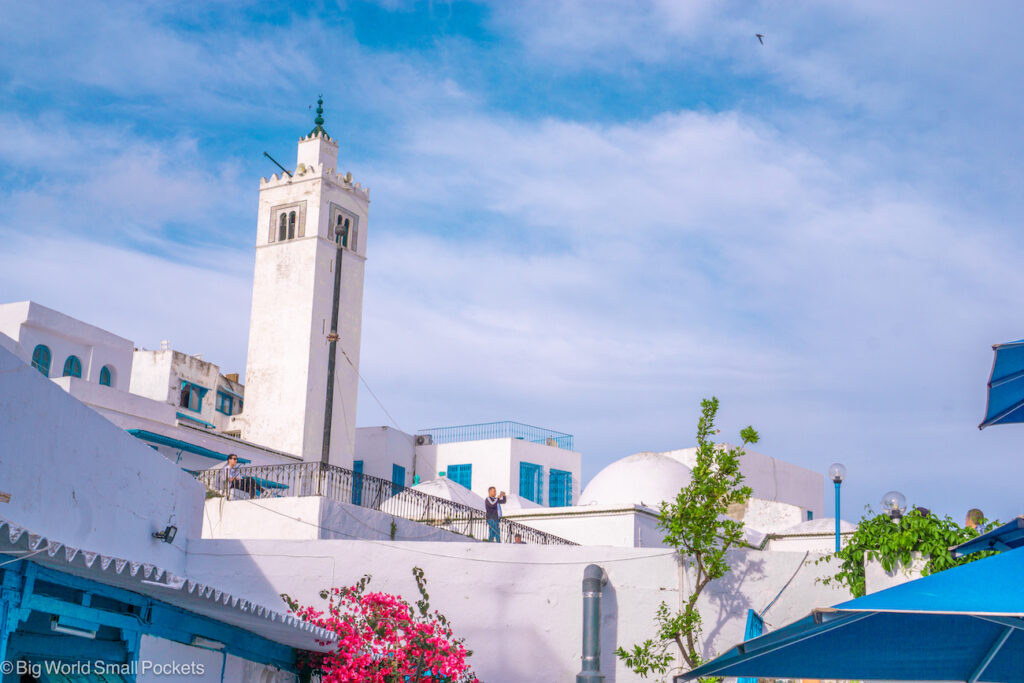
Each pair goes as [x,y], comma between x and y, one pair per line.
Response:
[313,517]
[518,606]
[633,526]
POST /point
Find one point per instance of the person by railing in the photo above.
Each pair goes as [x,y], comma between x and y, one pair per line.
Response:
[346,486]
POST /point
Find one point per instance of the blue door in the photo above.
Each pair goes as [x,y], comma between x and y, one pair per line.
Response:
[357,482]
[397,479]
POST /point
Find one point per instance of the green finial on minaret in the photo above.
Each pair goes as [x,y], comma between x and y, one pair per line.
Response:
[319,120]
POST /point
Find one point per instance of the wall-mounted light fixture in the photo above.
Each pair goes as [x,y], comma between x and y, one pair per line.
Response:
[167,535]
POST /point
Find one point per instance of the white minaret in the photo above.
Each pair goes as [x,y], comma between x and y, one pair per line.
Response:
[301,378]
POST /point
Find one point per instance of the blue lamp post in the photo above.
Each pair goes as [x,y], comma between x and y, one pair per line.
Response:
[837,472]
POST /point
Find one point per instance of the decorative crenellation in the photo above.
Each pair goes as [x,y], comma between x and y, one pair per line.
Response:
[310,171]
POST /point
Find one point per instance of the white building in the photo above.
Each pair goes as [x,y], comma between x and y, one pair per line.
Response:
[328,502]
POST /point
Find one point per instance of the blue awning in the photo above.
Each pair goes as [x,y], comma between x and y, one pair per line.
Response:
[962,624]
[153,437]
[1006,385]
[1006,537]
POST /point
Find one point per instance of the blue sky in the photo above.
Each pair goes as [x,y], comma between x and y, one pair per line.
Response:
[586,215]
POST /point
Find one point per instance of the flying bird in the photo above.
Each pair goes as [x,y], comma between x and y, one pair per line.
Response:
[760,37]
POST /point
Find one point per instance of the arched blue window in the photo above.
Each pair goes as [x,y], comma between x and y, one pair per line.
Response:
[105,376]
[72,367]
[41,359]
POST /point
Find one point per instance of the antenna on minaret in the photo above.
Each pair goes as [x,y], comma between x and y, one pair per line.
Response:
[283,169]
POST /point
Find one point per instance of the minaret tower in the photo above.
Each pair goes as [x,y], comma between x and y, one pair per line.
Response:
[307,307]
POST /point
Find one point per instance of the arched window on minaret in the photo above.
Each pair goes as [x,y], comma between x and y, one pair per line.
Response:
[291,225]
[282,233]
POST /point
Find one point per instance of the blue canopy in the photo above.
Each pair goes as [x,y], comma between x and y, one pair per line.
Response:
[1005,537]
[963,624]
[1006,385]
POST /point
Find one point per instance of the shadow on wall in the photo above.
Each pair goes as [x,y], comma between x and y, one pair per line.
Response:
[728,595]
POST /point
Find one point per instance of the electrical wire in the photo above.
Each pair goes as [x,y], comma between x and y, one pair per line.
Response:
[365,384]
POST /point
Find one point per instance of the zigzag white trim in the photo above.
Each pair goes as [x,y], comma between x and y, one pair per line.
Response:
[51,547]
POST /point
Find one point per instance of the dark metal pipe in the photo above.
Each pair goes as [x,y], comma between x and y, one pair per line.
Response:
[593,579]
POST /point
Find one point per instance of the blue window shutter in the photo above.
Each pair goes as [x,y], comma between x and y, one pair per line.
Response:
[357,482]
[105,376]
[397,478]
[72,367]
[560,488]
[461,474]
[41,359]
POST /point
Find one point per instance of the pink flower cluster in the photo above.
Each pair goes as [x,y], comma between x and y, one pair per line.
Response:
[381,639]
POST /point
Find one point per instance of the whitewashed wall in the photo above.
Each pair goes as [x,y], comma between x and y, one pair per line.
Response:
[519,607]
[773,479]
[76,478]
[496,462]
[311,517]
[381,447]
[591,525]
[30,324]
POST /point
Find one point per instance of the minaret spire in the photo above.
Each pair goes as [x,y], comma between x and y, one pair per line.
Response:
[319,120]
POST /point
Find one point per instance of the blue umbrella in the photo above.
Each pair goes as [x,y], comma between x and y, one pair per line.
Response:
[963,624]
[1006,385]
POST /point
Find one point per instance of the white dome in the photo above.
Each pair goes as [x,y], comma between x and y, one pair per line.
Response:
[639,479]
[442,487]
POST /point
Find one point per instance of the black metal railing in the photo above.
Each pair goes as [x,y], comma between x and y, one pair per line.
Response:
[345,486]
[498,430]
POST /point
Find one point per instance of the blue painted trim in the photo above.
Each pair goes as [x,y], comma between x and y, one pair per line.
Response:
[153,437]
[202,394]
[225,397]
[183,416]
[151,617]
[229,392]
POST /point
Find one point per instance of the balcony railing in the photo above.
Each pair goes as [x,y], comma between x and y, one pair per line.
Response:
[499,430]
[354,488]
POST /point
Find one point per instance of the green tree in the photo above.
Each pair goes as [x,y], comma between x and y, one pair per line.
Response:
[892,542]
[697,524]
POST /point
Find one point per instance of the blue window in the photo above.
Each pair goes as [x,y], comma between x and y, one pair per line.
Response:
[461,474]
[357,482]
[192,396]
[41,359]
[397,478]
[531,482]
[72,367]
[225,403]
[810,515]
[105,376]
[560,489]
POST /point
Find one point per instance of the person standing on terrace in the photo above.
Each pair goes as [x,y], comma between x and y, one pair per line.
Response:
[493,504]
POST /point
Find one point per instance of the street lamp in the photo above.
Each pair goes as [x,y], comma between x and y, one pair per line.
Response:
[894,503]
[837,472]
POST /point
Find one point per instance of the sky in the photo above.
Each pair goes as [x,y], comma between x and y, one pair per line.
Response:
[586,215]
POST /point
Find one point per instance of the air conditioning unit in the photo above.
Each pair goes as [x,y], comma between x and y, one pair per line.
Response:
[424,440]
